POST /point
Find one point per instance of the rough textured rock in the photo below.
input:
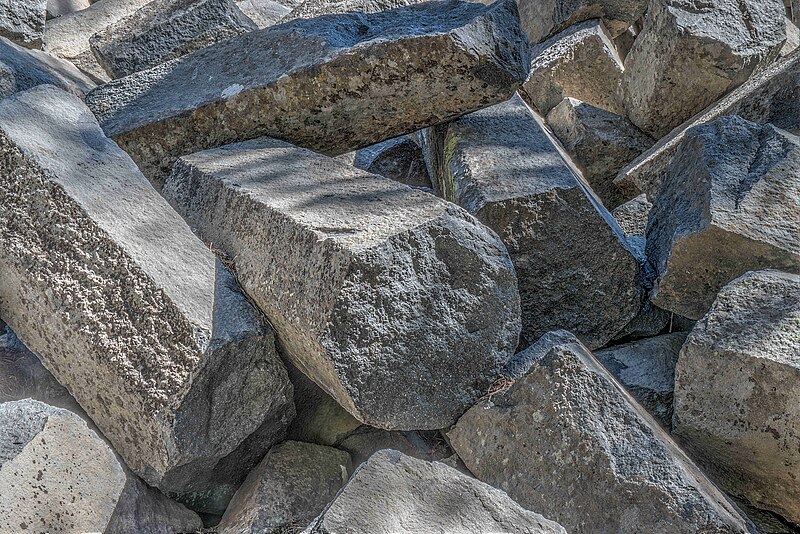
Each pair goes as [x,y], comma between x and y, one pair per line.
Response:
[400,159]
[647,369]
[330,84]
[632,216]
[126,307]
[264,13]
[21,69]
[293,483]
[580,62]
[565,439]
[366,441]
[398,304]
[691,52]
[392,493]
[315,8]
[599,142]
[57,475]
[792,38]
[737,391]
[164,30]
[570,256]
[22,21]
[56,8]
[723,212]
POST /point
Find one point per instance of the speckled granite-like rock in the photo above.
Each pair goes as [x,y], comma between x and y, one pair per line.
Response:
[632,216]
[57,475]
[543,18]
[21,69]
[315,8]
[723,211]
[565,439]
[126,307]
[398,304]
[737,391]
[22,21]
[571,258]
[331,84]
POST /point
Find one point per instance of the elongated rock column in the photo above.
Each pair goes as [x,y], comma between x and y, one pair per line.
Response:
[126,307]
[400,305]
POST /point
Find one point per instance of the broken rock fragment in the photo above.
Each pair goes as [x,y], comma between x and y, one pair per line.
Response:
[264,13]
[21,69]
[316,8]
[543,18]
[400,159]
[56,8]
[632,216]
[22,21]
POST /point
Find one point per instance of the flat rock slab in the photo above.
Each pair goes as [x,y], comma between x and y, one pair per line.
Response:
[723,212]
[57,475]
[21,69]
[331,84]
[737,391]
[567,440]
[571,258]
[22,21]
[164,30]
[126,307]
[393,493]
[398,304]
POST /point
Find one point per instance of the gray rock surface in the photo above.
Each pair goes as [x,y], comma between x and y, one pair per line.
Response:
[164,30]
[330,84]
[264,13]
[293,483]
[398,304]
[366,441]
[393,493]
[400,159]
[22,21]
[580,62]
[723,212]
[691,52]
[57,475]
[737,391]
[792,38]
[56,8]
[599,142]
[126,307]
[567,440]
[570,256]
[315,8]
[632,216]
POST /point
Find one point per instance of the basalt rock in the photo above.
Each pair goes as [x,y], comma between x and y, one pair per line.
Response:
[22,21]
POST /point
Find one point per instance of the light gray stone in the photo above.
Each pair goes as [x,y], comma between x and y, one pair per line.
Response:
[127,308]
[393,493]
[580,62]
[737,391]
[692,52]
[330,84]
[599,142]
[22,21]
[723,211]
[316,8]
[57,475]
[567,440]
[632,216]
[398,304]
[573,263]
[264,13]
[164,30]
[56,8]
[366,441]
[400,159]
[792,38]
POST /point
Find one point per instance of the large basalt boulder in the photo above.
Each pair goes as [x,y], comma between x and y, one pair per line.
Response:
[57,475]
[331,84]
[127,308]
[398,304]
[21,69]
[737,391]
[567,440]
[723,211]
[22,21]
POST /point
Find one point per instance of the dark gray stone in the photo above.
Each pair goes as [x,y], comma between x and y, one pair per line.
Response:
[400,159]
[632,216]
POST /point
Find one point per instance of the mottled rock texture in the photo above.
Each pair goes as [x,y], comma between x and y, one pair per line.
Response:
[22,21]
[315,8]
[21,69]
[400,159]
[543,18]
[56,8]
[632,216]
[264,13]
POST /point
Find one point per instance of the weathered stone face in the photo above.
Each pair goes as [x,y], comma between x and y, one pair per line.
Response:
[723,212]
[56,8]
[316,8]
[632,216]
[737,391]
[264,13]
[567,440]
[331,84]
[126,307]
[399,305]
[22,21]
[400,159]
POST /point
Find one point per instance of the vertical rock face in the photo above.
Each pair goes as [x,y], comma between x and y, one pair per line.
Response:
[57,475]
[737,391]
[400,159]
[264,13]
[632,216]
[565,439]
[127,308]
[22,21]
[331,84]
[401,306]
[691,52]
[394,493]
[571,258]
[21,69]
[723,212]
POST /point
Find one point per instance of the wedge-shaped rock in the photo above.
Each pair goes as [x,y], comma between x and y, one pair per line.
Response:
[22,21]
[565,439]
[166,29]
[543,18]
[21,69]
[330,84]
[315,8]
[264,13]
[57,475]
[574,266]
[127,308]
[400,159]
[580,62]
[690,53]
[393,493]
[728,205]
[398,304]
[737,391]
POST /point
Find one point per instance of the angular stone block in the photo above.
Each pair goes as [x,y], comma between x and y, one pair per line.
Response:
[21,69]
[22,21]
[56,8]
[264,13]
[398,304]
[632,216]
[331,84]
[316,8]
[400,159]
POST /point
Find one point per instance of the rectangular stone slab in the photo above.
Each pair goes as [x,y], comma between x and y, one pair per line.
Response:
[330,84]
